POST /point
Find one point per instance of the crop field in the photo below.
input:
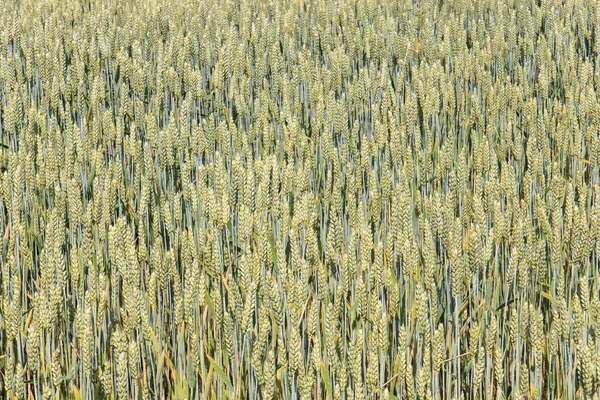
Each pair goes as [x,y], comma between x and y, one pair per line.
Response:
[299,199]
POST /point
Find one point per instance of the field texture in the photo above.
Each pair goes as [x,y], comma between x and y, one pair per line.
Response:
[299,199]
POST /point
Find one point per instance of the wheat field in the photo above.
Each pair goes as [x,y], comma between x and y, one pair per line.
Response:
[299,199]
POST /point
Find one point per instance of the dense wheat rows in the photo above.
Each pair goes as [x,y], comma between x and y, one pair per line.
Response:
[300,199]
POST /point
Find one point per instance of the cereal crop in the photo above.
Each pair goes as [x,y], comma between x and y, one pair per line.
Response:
[299,199]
